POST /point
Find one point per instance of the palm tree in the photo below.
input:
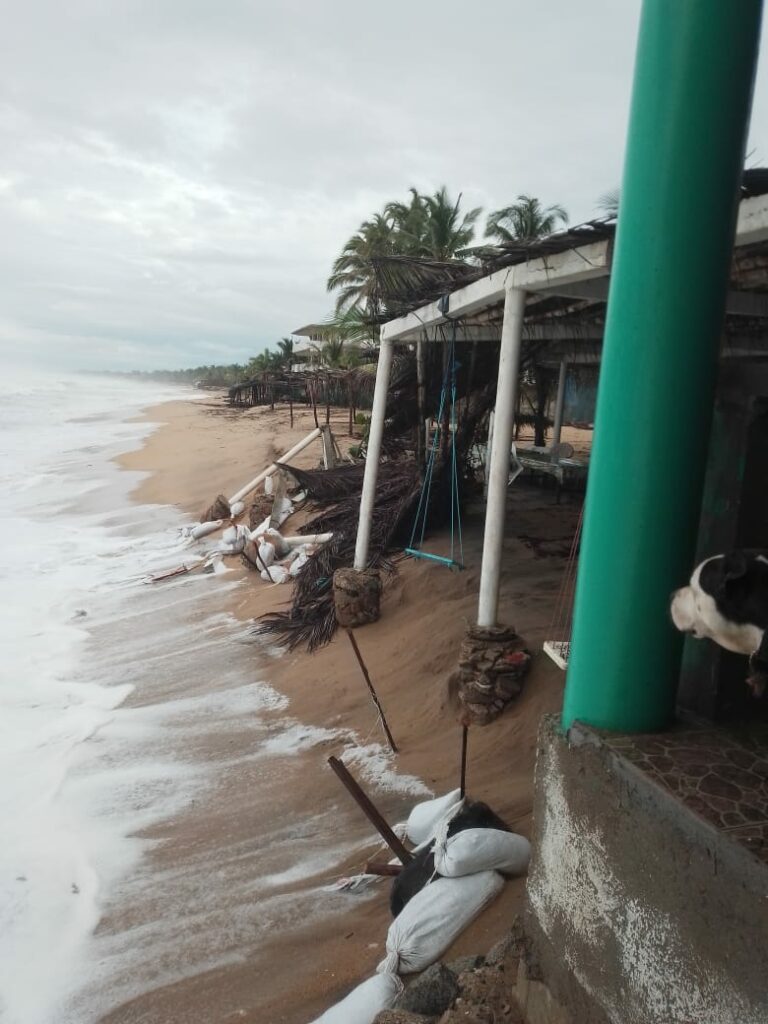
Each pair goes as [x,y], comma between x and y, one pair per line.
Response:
[428,226]
[284,357]
[446,230]
[351,271]
[524,221]
[608,203]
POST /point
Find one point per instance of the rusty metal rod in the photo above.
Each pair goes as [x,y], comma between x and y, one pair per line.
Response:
[369,810]
[378,867]
[376,701]
[463,787]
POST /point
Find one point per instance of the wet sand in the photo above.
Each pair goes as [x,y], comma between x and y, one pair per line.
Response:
[290,973]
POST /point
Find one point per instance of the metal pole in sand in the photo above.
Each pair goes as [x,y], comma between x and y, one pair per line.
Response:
[463,786]
[369,684]
[368,809]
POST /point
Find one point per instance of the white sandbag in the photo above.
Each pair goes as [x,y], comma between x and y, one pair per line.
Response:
[298,563]
[234,539]
[364,1002]
[237,508]
[436,915]
[282,508]
[203,529]
[482,849]
[261,529]
[266,553]
[275,574]
[425,817]
[274,538]
[269,485]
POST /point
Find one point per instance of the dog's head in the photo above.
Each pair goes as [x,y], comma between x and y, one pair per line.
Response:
[726,600]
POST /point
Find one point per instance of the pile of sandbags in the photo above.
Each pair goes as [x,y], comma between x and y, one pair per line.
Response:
[463,852]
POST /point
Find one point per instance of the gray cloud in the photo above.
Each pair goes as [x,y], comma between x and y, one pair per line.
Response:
[178,176]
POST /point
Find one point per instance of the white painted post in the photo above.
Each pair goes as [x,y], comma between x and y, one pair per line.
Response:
[373,454]
[498,477]
[488,450]
[560,403]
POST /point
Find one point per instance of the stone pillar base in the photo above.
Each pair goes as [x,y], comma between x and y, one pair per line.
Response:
[493,663]
[356,596]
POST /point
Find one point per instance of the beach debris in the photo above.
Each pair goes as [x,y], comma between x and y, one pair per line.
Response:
[208,563]
[371,690]
[364,1002]
[311,618]
[493,664]
[220,509]
[196,531]
[234,539]
[356,596]
[369,810]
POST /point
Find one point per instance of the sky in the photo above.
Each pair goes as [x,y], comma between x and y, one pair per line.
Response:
[177,176]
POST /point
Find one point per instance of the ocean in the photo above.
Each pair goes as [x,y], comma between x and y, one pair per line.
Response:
[128,713]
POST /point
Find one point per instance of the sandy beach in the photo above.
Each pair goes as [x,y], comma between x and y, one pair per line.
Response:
[201,448]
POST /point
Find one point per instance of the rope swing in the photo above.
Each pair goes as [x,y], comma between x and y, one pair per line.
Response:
[414,548]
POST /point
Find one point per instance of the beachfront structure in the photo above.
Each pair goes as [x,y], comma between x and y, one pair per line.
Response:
[646,896]
[306,341]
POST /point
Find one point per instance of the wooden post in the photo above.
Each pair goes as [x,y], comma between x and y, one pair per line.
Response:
[368,809]
[369,684]
[314,404]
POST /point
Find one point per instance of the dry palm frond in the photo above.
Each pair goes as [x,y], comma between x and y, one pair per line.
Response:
[312,617]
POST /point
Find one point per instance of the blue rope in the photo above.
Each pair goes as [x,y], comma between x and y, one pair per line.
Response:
[421,512]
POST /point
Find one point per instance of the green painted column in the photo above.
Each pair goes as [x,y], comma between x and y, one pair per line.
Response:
[691,98]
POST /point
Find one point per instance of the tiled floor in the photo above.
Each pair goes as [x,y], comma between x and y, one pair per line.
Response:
[720,775]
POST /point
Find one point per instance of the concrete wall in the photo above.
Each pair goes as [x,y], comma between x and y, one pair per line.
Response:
[639,911]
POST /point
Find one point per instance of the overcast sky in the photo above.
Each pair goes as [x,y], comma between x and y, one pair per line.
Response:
[176,176]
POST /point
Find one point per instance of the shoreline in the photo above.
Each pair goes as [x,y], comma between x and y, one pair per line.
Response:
[198,450]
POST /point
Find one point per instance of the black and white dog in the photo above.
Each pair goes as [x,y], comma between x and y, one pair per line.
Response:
[727,601]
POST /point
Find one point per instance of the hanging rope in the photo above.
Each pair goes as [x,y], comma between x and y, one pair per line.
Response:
[447,393]
[559,647]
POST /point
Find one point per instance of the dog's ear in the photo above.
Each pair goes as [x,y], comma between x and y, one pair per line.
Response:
[735,566]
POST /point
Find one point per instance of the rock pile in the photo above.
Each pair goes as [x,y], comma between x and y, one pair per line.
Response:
[493,663]
[356,596]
